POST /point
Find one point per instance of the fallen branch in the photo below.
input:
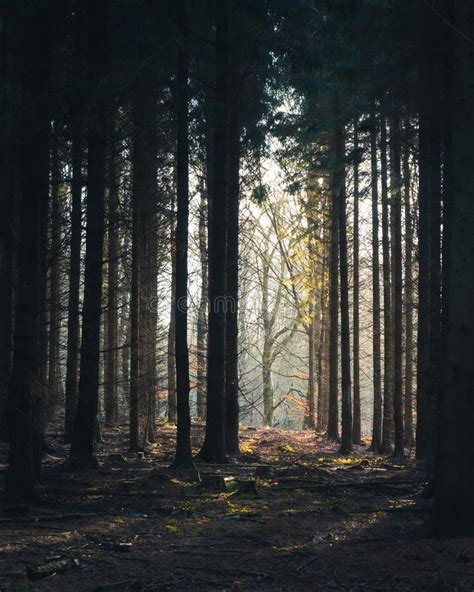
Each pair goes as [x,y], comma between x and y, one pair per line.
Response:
[37,519]
[359,484]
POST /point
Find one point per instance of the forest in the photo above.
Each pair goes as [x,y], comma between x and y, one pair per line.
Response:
[236,311]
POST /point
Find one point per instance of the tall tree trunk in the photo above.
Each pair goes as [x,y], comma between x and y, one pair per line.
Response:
[376,331]
[333,418]
[125,378]
[321,363]
[148,263]
[8,181]
[387,423]
[409,368]
[232,286]
[134,328]
[435,264]
[73,326]
[447,196]
[83,438]
[323,400]
[424,409]
[32,67]
[152,317]
[346,399]
[322,406]
[356,427]
[310,414]
[111,357]
[202,312]
[396,207]
[54,389]
[453,513]
[213,449]
[183,457]
[171,334]
[268,406]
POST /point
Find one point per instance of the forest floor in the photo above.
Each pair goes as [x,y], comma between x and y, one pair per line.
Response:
[289,514]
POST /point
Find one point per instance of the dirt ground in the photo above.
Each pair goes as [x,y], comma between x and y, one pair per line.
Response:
[289,514]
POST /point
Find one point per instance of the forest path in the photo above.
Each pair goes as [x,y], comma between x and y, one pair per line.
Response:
[289,515]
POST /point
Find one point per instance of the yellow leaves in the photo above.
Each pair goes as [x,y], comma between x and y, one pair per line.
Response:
[286,448]
[345,461]
[172,525]
[246,449]
[238,508]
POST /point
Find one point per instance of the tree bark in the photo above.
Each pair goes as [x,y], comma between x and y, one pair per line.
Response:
[356,427]
[346,399]
[310,414]
[423,411]
[232,286]
[54,389]
[333,418]
[8,182]
[111,366]
[453,513]
[376,335]
[396,208]
[83,452]
[32,53]
[73,325]
[202,312]
[435,262]
[387,422]
[183,457]
[409,367]
[171,335]
[213,449]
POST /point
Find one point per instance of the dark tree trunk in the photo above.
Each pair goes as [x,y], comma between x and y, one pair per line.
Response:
[23,410]
[409,368]
[387,423]
[333,416]
[396,208]
[111,357]
[72,361]
[151,306]
[424,409]
[376,335]
[144,264]
[310,414]
[435,270]
[323,400]
[183,457]
[202,313]
[232,287]
[134,327]
[453,513]
[213,449]
[54,390]
[76,122]
[83,452]
[172,333]
[447,186]
[8,176]
[356,427]
[346,399]
[125,378]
